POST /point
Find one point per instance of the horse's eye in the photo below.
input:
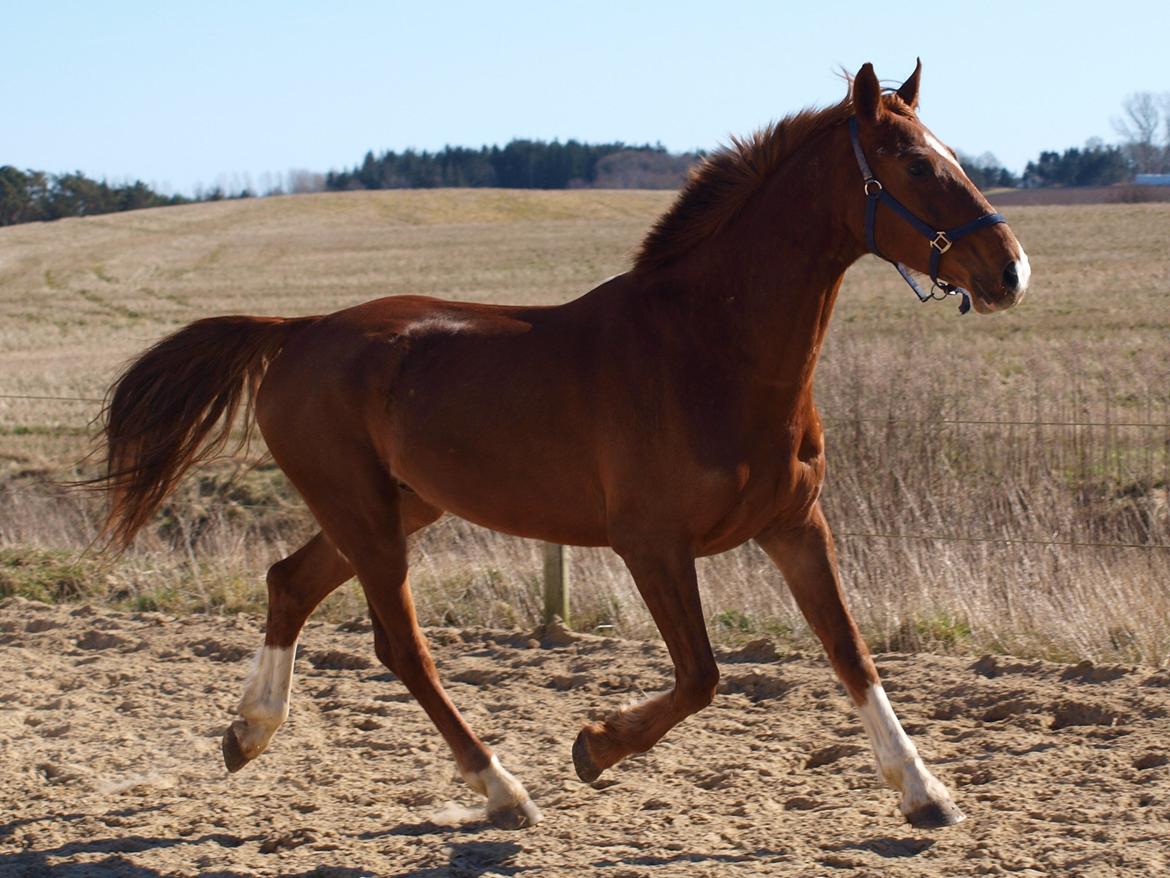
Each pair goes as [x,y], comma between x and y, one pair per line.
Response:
[919,168]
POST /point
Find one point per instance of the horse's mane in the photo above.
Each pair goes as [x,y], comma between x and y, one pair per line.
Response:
[722,183]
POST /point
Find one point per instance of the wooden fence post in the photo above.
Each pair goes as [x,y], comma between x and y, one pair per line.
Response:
[556,582]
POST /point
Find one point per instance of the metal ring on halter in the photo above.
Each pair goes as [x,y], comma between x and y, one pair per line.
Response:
[876,191]
[945,244]
[946,289]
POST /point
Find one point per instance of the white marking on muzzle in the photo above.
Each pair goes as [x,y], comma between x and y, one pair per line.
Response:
[1023,270]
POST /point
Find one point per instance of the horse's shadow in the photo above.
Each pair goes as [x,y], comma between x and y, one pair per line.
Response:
[691,857]
[886,847]
[465,857]
[428,827]
[119,865]
[7,829]
[469,858]
[48,861]
[33,864]
[474,858]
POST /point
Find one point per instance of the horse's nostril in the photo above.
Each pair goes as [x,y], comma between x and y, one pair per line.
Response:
[1011,277]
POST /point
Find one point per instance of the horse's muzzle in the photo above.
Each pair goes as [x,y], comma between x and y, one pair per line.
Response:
[1016,276]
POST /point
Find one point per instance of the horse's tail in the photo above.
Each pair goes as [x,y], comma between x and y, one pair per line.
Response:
[174,407]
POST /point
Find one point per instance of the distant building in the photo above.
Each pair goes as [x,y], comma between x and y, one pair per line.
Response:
[1152,179]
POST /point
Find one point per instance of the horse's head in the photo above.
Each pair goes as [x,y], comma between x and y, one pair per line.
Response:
[911,188]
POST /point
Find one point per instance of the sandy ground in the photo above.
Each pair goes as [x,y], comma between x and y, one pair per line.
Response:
[111,724]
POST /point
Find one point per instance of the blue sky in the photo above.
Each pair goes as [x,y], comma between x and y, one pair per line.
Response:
[180,94]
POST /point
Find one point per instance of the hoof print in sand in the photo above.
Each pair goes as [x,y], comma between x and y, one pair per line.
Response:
[755,685]
[101,640]
[829,755]
[1079,713]
[218,651]
[337,660]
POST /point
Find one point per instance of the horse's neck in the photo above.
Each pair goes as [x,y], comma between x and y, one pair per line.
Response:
[770,278]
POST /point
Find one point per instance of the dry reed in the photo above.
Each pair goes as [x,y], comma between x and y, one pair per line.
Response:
[953,525]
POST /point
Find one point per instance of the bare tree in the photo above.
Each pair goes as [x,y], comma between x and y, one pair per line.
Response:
[1145,127]
[271,184]
[301,181]
[1166,118]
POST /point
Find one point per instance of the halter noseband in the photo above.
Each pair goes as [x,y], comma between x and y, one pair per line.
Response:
[940,242]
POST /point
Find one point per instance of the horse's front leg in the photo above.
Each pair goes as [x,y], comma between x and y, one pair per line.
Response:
[808,561]
[666,579]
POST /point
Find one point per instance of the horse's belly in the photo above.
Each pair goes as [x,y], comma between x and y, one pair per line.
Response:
[511,511]
[518,481]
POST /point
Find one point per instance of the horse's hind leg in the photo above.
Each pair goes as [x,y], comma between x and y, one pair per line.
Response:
[363,511]
[806,557]
[296,586]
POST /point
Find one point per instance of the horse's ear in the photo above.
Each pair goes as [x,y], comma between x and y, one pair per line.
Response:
[867,94]
[909,90]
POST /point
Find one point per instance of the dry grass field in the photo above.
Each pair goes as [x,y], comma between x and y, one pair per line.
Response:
[953,525]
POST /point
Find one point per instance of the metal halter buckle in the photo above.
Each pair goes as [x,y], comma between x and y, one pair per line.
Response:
[877,188]
[941,242]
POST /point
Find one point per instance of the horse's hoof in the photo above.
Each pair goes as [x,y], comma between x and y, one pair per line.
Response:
[233,755]
[587,769]
[515,815]
[935,815]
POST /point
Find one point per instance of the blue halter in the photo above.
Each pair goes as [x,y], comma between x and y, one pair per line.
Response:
[940,242]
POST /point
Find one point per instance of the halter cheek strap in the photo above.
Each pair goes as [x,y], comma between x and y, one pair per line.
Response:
[940,241]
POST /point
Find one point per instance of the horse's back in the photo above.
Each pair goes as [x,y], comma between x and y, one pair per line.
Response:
[483,410]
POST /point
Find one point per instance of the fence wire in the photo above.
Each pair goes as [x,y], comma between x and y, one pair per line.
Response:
[941,538]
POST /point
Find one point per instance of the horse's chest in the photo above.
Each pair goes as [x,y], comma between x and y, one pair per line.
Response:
[757,495]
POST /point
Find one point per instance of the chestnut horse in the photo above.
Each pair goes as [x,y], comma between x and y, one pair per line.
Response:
[668,413]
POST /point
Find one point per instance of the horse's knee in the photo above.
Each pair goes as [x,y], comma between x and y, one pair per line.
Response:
[697,690]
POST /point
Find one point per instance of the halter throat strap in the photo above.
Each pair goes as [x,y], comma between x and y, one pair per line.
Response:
[940,241]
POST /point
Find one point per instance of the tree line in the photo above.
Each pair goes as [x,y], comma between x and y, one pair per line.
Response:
[1095,164]
[534,164]
[520,164]
[524,164]
[29,195]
